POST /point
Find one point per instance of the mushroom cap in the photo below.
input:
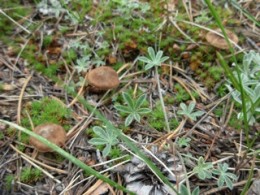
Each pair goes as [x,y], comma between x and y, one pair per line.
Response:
[103,78]
[52,132]
[218,41]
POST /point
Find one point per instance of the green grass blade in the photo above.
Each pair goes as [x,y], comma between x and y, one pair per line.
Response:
[65,154]
[228,71]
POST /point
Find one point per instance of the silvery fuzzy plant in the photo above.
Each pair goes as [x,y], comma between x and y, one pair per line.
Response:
[249,72]
[142,181]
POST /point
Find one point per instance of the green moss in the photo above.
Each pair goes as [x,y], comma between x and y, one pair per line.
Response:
[157,121]
[168,99]
[47,110]
[47,40]
[115,152]
[216,72]
[8,181]
[17,12]
[218,111]
[222,90]
[234,122]
[30,175]
[180,93]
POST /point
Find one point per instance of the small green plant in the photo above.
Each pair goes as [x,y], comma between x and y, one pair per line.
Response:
[187,111]
[181,94]
[185,191]
[133,108]
[29,175]
[249,72]
[8,181]
[106,137]
[153,59]
[224,176]
[156,60]
[183,142]
[203,169]
[83,64]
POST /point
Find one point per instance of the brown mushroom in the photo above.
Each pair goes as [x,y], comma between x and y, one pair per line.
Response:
[102,78]
[219,41]
[52,132]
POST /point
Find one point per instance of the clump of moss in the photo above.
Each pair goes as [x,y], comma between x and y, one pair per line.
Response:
[30,175]
[8,181]
[157,121]
[181,94]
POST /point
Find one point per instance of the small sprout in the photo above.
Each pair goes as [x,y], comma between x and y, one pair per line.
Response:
[188,111]
[154,59]
[183,142]
[52,132]
[133,108]
[106,137]
[102,78]
[203,169]
[219,41]
[224,176]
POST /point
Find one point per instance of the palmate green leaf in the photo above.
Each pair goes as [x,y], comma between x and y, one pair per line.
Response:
[124,109]
[100,132]
[158,56]
[106,150]
[183,107]
[129,100]
[151,53]
[163,59]
[224,176]
[191,107]
[105,137]
[133,109]
[143,110]
[137,117]
[140,101]
[97,141]
[203,169]
[145,59]
[148,66]
[129,119]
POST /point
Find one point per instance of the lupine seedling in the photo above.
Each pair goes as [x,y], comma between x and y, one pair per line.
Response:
[106,137]
[153,59]
[203,169]
[224,176]
[187,111]
[133,108]
[183,142]
[249,73]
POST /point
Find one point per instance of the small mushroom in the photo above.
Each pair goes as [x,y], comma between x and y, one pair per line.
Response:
[52,132]
[102,78]
[219,41]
